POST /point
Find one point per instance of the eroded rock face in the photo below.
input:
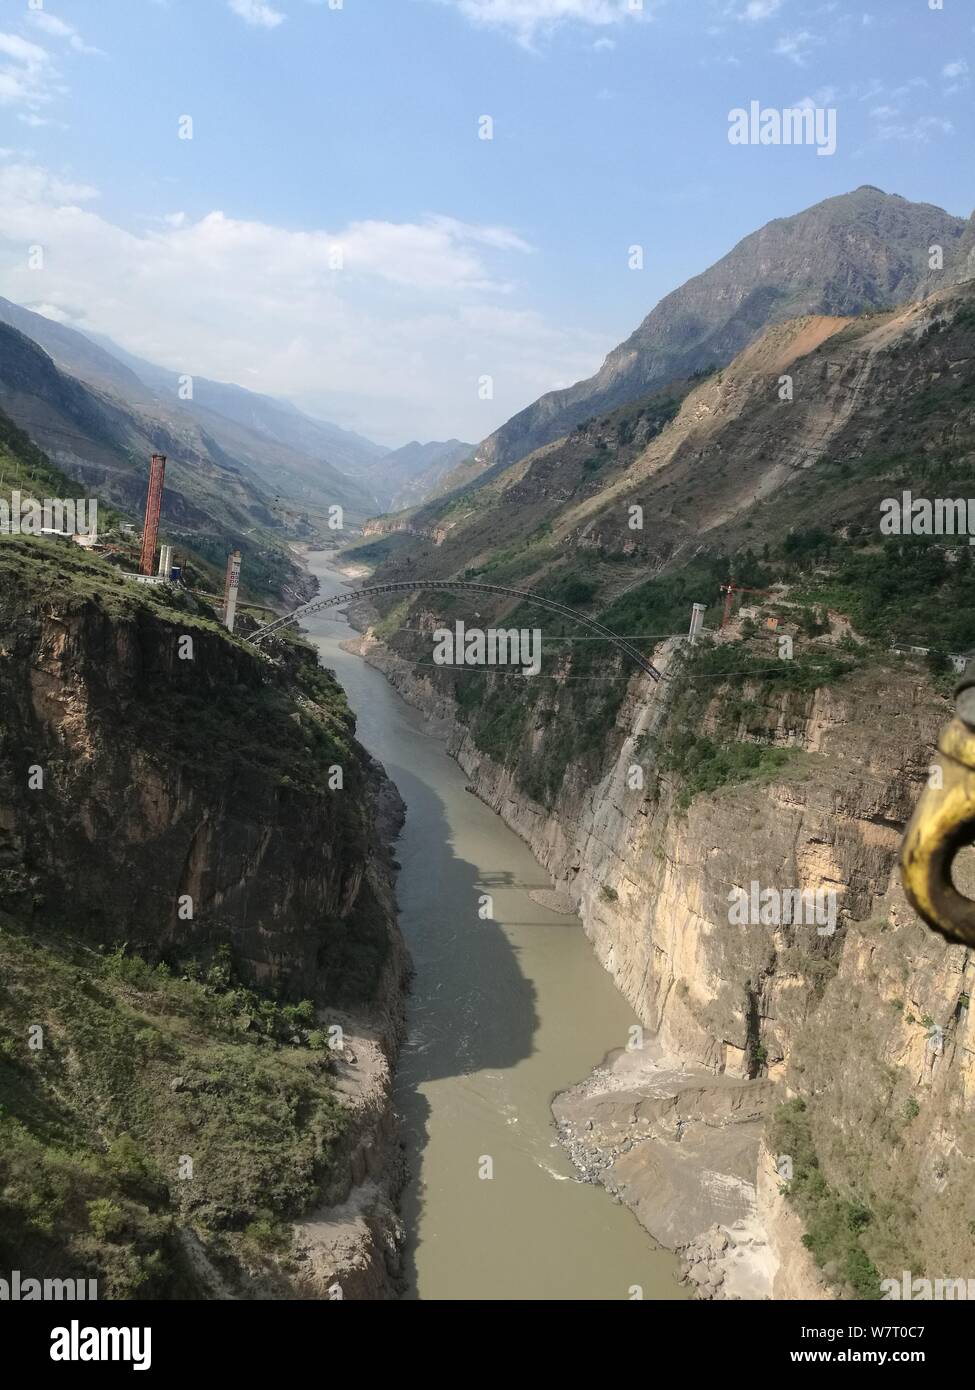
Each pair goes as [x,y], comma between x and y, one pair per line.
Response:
[156,794]
[847,1020]
[145,829]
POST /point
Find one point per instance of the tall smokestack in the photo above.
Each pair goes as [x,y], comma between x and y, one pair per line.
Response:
[157,471]
[230,590]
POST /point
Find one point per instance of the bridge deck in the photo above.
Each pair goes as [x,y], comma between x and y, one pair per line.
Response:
[316,605]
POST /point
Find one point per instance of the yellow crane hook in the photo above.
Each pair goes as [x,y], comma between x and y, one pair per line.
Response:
[943,823]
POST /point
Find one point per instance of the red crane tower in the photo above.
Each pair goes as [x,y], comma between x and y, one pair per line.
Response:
[729,590]
[157,471]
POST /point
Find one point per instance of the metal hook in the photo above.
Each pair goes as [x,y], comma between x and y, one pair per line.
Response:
[943,823]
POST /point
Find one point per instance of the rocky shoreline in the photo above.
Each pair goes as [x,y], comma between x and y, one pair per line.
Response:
[351,1246]
[678,1147]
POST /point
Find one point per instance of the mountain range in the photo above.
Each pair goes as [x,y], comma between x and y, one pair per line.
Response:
[300,463]
[286,454]
[861,251]
[406,476]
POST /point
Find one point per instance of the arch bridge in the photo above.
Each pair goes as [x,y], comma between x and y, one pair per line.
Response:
[316,605]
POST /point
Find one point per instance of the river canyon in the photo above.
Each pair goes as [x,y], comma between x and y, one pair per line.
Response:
[505,1012]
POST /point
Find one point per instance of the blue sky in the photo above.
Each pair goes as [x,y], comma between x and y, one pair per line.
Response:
[335,231]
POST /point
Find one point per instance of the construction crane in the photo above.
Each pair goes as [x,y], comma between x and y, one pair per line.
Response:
[729,590]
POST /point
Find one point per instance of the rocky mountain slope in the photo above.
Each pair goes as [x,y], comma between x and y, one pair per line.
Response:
[849,1052]
[320,456]
[862,251]
[292,465]
[408,475]
[210,506]
[194,891]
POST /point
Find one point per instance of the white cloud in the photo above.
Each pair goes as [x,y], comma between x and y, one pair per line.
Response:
[919,132]
[28,78]
[906,88]
[22,51]
[60,29]
[32,119]
[797,47]
[393,343]
[257,13]
[51,311]
[957,73]
[526,19]
[27,186]
[823,96]
[756,10]
[604,45]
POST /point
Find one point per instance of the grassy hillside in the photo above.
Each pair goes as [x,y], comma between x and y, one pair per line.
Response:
[112,1074]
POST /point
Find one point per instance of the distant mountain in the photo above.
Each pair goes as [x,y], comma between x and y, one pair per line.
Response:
[719,466]
[298,461]
[75,352]
[408,475]
[103,441]
[862,251]
[265,415]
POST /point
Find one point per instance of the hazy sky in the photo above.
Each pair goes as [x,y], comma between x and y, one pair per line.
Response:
[336,231]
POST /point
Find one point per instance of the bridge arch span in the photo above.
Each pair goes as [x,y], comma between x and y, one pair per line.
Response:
[316,605]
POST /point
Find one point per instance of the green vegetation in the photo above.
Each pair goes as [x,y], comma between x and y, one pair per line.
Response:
[139,1070]
[906,590]
[181,710]
[713,681]
[834,1225]
[24,468]
[503,712]
[35,570]
[704,766]
[662,606]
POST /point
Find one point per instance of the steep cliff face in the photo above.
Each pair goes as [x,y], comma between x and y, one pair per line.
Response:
[867,1025]
[196,908]
[159,813]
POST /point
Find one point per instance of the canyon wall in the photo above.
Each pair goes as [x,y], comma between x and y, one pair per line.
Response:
[196,891]
[869,1024]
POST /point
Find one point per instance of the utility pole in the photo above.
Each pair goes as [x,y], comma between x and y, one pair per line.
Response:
[157,471]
